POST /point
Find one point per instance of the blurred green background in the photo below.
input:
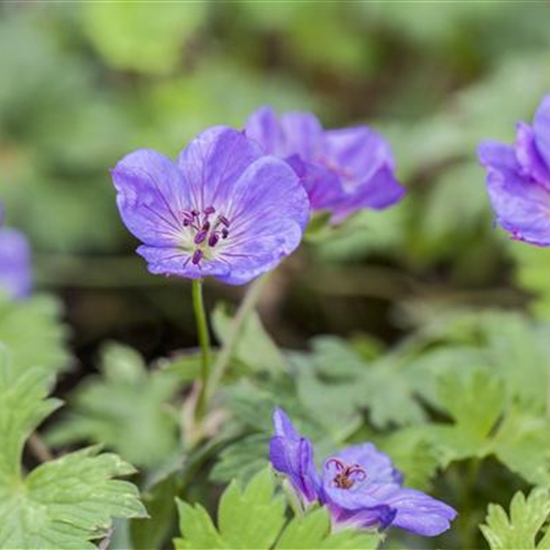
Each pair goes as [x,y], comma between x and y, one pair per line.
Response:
[82,84]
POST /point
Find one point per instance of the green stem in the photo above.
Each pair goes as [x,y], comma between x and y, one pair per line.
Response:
[245,309]
[204,342]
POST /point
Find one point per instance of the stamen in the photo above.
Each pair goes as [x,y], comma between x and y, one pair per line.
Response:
[213,239]
[356,469]
[346,476]
[200,236]
[337,462]
[204,230]
[197,256]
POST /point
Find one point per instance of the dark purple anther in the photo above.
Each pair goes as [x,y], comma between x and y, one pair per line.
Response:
[209,210]
[197,256]
[224,221]
[194,212]
[206,226]
[213,240]
[225,233]
[200,236]
[186,222]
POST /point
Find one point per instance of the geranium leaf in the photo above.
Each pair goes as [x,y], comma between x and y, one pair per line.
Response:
[127,409]
[64,503]
[520,528]
[33,334]
[254,518]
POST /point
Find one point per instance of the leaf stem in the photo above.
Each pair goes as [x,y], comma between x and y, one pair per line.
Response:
[39,448]
[204,342]
[245,309]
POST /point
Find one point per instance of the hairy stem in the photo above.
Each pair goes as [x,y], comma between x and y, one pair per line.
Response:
[204,342]
[245,309]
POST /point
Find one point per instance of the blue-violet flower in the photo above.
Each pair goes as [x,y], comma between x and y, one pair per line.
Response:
[518,179]
[343,171]
[359,485]
[224,208]
[15,262]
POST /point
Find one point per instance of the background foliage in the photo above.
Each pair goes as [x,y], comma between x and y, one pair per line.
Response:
[421,328]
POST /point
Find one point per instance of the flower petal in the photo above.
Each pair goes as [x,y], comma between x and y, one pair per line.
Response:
[493,154]
[269,211]
[302,134]
[380,516]
[541,127]
[528,156]
[152,193]
[378,192]
[263,127]
[294,133]
[522,206]
[356,153]
[15,264]
[283,426]
[363,161]
[294,458]
[175,261]
[292,455]
[323,187]
[213,162]
[420,513]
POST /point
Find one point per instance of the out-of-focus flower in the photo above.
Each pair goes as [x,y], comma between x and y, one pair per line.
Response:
[343,171]
[359,485]
[518,179]
[223,209]
[15,262]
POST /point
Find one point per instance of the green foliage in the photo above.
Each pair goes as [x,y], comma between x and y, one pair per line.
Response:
[382,384]
[127,409]
[522,527]
[254,346]
[484,426]
[412,454]
[32,332]
[255,518]
[531,273]
[475,403]
[66,502]
[242,460]
[133,35]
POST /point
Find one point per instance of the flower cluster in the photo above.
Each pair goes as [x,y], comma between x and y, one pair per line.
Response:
[343,171]
[359,485]
[235,203]
[518,179]
[15,262]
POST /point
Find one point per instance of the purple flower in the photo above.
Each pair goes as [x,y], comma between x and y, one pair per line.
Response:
[359,485]
[223,208]
[518,179]
[343,171]
[15,262]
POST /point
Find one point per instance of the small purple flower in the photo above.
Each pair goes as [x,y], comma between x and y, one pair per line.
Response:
[15,262]
[223,208]
[518,179]
[343,171]
[359,485]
